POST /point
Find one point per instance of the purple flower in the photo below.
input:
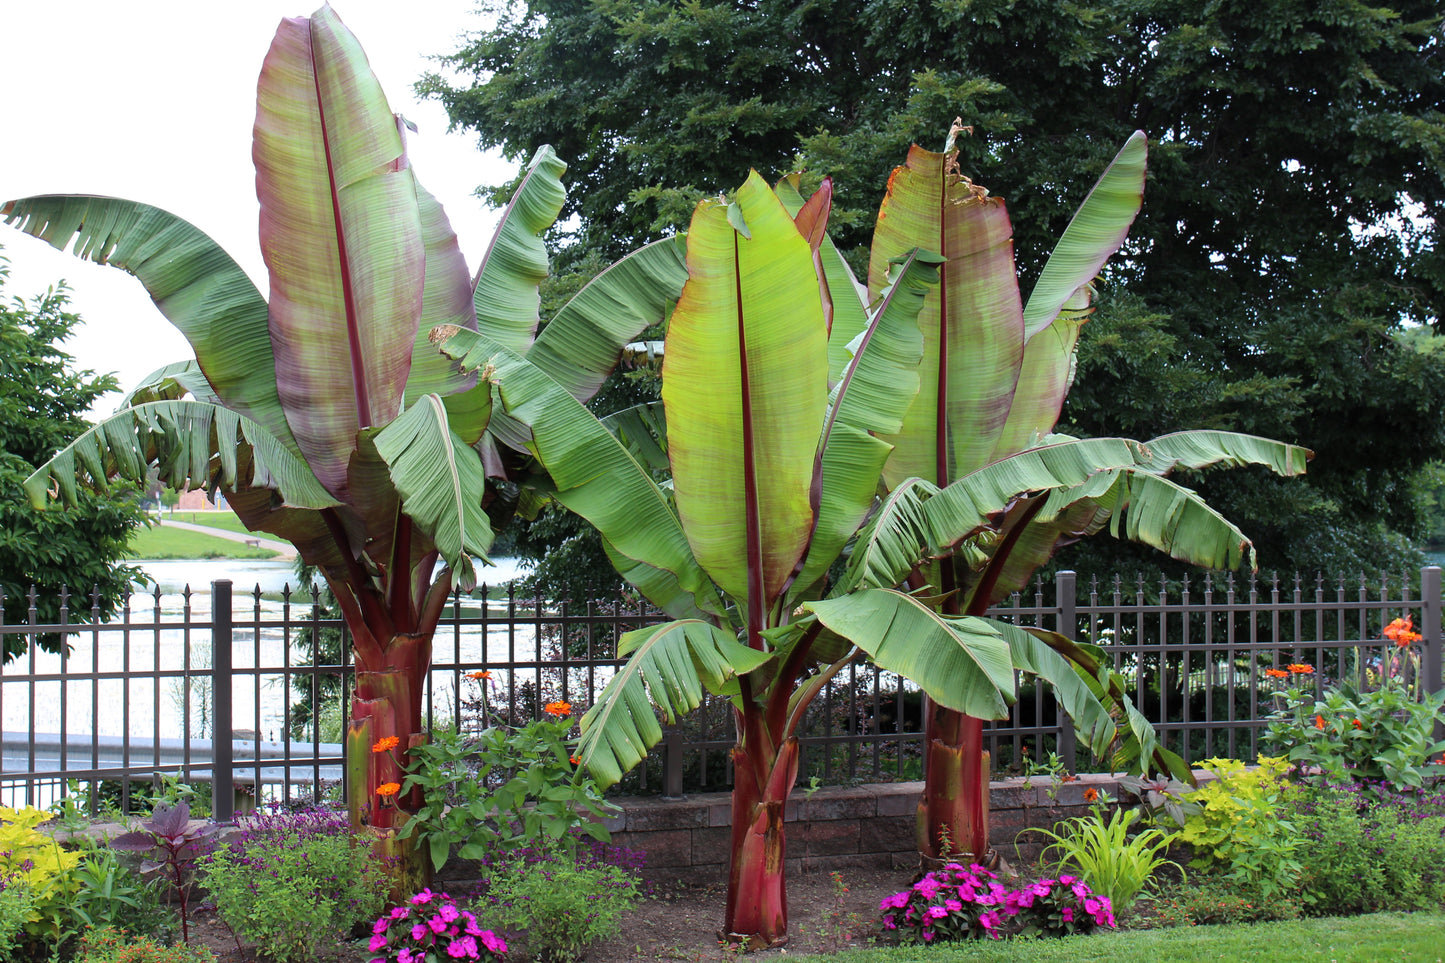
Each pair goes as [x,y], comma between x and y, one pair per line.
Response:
[400,912]
[406,956]
[493,942]
[422,898]
[896,901]
[448,912]
[379,927]
[378,942]
[1068,914]
[418,932]
[927,887]
[436,924]
[937,912]
[952,905]
[466,946]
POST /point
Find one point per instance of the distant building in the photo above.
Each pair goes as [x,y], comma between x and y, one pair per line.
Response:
[195,500]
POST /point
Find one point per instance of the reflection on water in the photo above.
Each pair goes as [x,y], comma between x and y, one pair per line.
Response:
[273,576]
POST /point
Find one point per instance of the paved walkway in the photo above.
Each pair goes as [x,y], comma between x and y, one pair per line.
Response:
[287,550]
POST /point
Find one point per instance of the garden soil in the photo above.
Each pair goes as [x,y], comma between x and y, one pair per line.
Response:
[678,919]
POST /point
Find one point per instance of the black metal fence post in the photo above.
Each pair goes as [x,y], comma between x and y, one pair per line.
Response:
[672,764]
[223,789]
[1430,680]
[1066,623]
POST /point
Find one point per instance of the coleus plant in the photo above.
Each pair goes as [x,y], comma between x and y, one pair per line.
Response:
[324,413]
[775,456]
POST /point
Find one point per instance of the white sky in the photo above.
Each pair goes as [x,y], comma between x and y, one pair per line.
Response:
[153,100]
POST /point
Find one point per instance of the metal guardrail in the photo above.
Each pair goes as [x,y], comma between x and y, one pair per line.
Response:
[207,686]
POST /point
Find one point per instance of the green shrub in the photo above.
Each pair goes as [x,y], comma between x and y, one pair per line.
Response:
[110,945]
[1366,859]
[506,789]
[1241,831]
[1385,735]
[15,907]
[1217,899]
[290,891]
[557,907]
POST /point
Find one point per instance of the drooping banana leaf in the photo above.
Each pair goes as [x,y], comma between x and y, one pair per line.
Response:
[596,477]
[515,262]
[341,236]
[579,347]
[1063,296]
[745,383]
[972,325]
[1108,721]
[441,482]
[192,443]
[643,430]
[446,299]
[1205,449]
[669,666]
[169,383]
[197,286]
[961,662]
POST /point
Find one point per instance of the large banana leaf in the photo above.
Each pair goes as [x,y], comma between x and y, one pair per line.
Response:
[441,482]
[1108,721]
[1205,449]
[961,662]
[579,347]
[192,443]
[849,298]
[972,325]
[446,299]
[872,394]
[341,236]
[745,384]
[515,262]
[668,668]
[1061,300]
[197,286]
[596,477]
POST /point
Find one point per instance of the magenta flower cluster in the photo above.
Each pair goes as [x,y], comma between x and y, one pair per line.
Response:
[958,903]
[428,925]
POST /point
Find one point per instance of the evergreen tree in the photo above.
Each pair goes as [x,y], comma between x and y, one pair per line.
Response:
[43,401]
[1289,227]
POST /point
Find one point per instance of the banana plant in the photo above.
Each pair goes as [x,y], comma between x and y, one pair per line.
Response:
[775,458]
[326,415]
[995,374]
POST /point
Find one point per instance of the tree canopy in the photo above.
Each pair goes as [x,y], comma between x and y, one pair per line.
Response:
[1289,226]
[43,402]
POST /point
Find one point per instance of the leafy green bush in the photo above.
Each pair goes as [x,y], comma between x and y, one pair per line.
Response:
[556,906]
[1216,899]
[110,945]
[1114,863]
[290,890]
[1241,830]
[506,789]
[1369,858]
[1384,735]
[15,905]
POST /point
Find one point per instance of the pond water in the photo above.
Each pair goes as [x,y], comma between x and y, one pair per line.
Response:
[273,576]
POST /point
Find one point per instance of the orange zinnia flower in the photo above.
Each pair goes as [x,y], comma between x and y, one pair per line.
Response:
[1300,669]
[559,708]
[390,742]
[388,789]
[1401,632]
[1091,794]
[574,760]
[1276,673]
[481,674]
[1357,724]
[1319,722]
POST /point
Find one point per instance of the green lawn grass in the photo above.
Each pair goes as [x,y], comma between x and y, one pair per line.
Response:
[1378,938]
[226,520]
[175,543]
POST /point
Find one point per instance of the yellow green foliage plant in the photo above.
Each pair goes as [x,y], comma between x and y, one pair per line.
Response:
[33,861]
[1240,830]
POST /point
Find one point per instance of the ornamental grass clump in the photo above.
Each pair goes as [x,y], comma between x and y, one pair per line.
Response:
[430,927]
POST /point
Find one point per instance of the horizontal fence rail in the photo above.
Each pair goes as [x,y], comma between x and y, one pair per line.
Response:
[245,694]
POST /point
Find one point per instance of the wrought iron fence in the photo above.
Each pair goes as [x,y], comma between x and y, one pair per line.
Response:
[245,693]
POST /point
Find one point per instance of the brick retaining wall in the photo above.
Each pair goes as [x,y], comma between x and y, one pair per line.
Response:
[841,827]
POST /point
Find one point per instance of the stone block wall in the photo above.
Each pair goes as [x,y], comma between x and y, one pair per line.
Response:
[843,827]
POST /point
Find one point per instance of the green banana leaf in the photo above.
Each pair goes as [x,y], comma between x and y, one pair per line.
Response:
[669,666]
[340,234]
